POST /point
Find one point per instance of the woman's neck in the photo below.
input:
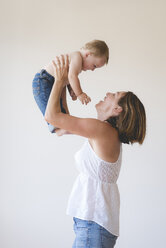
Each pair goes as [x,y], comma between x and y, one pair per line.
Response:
[101,117]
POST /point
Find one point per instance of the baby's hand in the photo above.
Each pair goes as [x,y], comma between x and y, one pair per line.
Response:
[84,98]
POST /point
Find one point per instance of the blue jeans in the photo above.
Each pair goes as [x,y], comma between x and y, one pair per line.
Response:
[91,235]
[42,85]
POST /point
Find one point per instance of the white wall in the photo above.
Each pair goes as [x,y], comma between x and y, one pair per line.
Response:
[37,168]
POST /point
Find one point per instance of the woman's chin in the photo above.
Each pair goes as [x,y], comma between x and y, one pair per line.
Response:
[97,104]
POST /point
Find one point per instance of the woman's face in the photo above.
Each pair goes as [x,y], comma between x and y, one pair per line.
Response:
[112,98]
[110,102]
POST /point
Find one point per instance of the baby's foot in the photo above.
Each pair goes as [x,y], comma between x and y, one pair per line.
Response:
[71,92]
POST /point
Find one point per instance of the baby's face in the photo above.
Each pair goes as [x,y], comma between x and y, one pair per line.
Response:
[91,62]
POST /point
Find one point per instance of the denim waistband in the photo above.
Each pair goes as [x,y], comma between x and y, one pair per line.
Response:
[44,73]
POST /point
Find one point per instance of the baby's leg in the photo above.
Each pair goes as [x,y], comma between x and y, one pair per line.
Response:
[42,85]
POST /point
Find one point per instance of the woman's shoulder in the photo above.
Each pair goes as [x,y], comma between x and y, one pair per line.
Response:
[107,132]
[108,135]
[107,146]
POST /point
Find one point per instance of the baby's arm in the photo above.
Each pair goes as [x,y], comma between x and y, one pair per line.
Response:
[75,68]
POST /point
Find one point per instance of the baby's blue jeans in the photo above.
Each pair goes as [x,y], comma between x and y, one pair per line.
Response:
[91,235]
[42,85]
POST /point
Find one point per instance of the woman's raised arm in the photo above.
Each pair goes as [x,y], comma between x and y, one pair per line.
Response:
[87,127]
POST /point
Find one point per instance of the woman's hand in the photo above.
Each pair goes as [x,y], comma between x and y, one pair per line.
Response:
[60,67]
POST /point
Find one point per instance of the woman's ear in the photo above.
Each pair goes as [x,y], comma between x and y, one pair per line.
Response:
[117,110]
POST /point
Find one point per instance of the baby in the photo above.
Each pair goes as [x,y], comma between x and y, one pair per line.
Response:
[92,55]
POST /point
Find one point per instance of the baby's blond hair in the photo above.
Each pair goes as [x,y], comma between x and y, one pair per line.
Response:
[98,48]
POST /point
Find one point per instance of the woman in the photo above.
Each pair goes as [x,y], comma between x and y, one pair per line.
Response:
[94,200]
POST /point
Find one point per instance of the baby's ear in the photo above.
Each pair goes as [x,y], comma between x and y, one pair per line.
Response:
[87,53]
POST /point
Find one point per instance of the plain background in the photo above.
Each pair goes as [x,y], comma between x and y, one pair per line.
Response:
[37,169]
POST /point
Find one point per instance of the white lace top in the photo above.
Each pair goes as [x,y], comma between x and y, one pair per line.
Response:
[95,194]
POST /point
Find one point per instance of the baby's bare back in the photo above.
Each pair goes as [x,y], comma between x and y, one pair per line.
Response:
[50,68]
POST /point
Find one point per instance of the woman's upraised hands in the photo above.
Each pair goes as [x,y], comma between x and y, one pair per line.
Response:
[60,67]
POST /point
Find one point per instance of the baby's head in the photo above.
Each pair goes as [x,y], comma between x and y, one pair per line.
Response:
[95,55]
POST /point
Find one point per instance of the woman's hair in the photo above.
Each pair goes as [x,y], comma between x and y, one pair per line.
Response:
[131,123]
[98,48]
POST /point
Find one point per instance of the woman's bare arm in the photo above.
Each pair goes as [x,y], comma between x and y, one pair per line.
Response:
[64,100]
[59,131]
[87,127]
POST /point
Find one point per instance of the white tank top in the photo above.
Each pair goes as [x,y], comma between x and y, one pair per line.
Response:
[95,194]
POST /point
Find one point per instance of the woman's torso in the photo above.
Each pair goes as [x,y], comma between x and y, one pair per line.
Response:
[95,194]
